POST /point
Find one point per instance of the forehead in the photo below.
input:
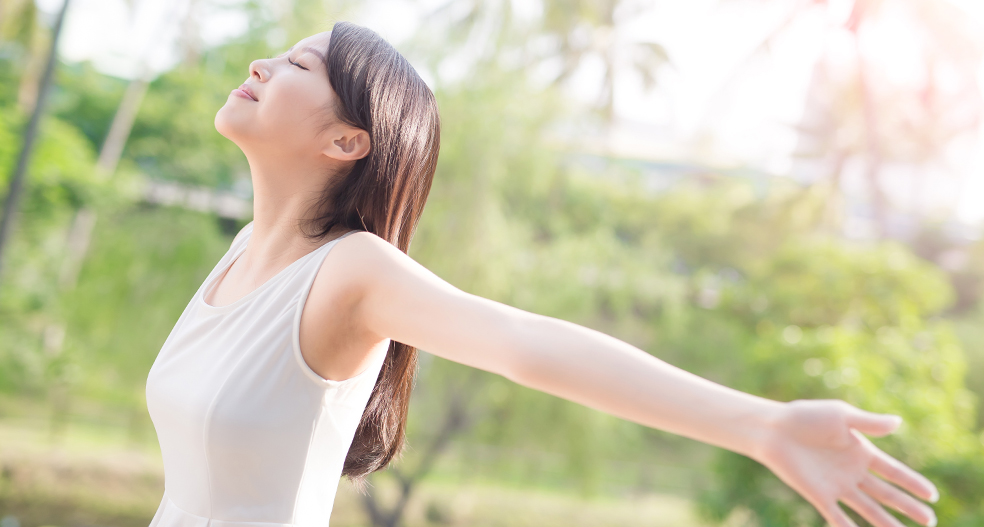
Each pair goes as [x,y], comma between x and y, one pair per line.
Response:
[317,41]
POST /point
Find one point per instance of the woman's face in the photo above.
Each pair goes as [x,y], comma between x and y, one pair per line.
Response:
[284,104]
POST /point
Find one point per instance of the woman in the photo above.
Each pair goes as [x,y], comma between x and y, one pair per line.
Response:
[291,366]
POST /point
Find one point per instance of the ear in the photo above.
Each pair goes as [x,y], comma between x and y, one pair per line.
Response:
[347,143]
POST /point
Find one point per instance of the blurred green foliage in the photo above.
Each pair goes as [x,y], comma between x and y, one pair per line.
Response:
[738,280]
[827,320]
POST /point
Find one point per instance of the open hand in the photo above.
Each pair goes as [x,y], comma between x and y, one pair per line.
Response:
[817,447]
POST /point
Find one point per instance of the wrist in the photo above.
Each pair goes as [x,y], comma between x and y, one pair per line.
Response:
[762,424]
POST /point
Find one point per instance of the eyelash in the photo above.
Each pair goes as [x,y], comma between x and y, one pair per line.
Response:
[296,64]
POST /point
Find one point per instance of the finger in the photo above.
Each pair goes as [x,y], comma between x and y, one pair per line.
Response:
[870,510]
[871,423]
[898,473]
[836,517]
[895,498]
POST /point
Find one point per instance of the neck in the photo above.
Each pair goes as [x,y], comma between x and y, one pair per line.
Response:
[284,191]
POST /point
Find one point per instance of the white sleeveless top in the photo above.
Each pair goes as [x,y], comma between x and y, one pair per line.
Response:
[250,435]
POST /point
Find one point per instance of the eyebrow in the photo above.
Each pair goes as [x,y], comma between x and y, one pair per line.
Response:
[309,50]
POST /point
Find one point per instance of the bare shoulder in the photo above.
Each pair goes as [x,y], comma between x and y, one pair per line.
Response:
[367,247]
[355,264]
[365,259]
[364,272]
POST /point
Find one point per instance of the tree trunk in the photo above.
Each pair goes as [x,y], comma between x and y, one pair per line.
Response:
[879,201]
[456,420]
[30,134]
[119,131]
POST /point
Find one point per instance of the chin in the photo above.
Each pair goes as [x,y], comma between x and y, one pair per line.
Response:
[228,123]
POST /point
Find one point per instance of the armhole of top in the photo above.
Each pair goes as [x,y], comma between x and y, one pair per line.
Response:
[296,331]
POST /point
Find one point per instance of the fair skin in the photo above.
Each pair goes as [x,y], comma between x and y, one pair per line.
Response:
[367,293]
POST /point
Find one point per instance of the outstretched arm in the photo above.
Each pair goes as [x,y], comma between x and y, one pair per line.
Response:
[816,447]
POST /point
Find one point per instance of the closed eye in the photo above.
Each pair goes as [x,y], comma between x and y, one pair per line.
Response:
[296,64]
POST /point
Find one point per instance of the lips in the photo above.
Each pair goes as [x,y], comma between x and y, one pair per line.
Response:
[248,91]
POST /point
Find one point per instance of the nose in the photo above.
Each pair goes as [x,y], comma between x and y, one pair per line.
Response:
[259,70]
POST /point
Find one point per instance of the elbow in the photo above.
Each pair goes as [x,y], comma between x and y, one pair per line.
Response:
[526,352]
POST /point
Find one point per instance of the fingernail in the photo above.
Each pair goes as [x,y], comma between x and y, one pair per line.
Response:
[934,498]
[932,522]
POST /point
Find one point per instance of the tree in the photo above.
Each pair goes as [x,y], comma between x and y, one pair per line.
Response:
[827,320]
[859,112]
[559,40]
[30,134]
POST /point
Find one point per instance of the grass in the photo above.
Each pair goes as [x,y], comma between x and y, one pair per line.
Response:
[493,506]
[94,475]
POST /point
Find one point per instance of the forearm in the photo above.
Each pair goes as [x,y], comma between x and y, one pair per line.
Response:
[601,372]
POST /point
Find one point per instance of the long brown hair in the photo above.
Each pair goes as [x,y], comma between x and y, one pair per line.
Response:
[380,92]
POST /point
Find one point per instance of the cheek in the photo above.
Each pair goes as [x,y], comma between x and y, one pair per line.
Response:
[291,111]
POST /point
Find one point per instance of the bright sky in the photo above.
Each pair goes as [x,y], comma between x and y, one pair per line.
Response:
[713,104]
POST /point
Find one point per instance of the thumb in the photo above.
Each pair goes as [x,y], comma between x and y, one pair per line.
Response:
[871,423]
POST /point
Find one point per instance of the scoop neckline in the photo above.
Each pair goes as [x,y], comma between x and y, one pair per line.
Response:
[245,298]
